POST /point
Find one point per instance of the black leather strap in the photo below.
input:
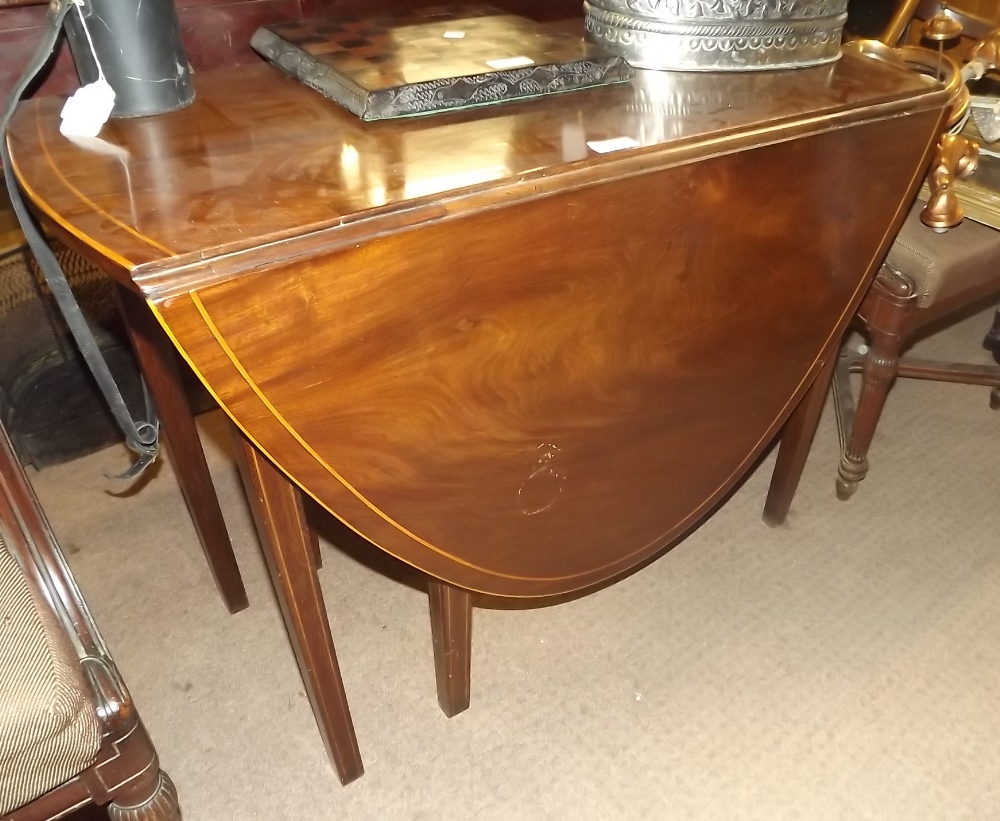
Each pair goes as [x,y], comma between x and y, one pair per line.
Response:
[142,437]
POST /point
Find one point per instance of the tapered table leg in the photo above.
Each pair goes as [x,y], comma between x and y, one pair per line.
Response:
[288,548]
[317,551]
[157,360]
[451,630]
[796,439]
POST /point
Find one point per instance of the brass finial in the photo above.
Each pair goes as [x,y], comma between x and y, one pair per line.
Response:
[987,51]
[956,157]
[941,27]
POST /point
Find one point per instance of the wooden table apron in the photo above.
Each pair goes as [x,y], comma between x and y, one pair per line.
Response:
[523,386]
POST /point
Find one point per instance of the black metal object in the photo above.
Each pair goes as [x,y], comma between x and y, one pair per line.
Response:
[143,436]
[49,402]
[138,45]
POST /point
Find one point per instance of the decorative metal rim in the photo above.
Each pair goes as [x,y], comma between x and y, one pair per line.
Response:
[758,45]
[916,57]
[703,27]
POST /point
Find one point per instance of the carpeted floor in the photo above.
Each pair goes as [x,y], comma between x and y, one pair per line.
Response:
[844,666]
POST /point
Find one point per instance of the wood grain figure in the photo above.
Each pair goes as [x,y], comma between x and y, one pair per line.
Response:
[515,359]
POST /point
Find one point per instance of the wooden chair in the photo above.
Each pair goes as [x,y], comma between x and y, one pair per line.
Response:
[938,267]
[927,278]
[69,732]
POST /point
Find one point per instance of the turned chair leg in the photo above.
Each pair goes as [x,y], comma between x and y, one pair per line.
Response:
[992,344]
[877,375]
[886,310]
[992,340]
[152,798]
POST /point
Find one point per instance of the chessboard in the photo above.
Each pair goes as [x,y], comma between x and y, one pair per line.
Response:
[434,59]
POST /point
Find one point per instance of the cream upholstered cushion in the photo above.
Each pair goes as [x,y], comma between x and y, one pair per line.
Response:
[49,730]
[946,264]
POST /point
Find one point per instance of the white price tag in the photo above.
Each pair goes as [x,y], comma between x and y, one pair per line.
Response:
[87,110]
[616,144]
[454,35]
[510,62]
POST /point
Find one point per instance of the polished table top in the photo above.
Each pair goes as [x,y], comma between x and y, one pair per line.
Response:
[520,361]
[220,175]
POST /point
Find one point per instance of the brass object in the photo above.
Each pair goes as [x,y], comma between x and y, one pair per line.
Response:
[940,66]
[986,53]
[900,20]
[977,17]
[939,29]
[877,50]
[957,157]
[942,27]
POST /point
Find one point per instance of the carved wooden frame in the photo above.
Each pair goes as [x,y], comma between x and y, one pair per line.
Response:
[126,774]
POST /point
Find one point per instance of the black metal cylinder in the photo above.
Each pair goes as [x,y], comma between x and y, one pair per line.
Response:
[138,44]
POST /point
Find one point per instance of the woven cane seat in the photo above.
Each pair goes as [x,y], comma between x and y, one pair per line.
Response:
[945,265]
[49,730]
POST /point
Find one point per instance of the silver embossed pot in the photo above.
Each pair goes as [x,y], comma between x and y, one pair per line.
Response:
[718,35]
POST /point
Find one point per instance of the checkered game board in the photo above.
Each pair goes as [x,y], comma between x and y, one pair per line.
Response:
[421,61]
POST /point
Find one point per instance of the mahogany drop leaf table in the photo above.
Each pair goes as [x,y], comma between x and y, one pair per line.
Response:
[526,348]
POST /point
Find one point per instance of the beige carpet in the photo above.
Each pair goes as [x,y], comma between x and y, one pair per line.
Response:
[845,666]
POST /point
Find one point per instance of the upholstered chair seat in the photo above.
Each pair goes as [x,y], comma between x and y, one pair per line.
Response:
[939,265]
[49,729]
[927,276]
[943,266]
[70,734]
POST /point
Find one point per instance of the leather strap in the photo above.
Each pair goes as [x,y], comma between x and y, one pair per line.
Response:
[143,436]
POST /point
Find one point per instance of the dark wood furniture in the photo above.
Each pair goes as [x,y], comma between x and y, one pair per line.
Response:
[521,362]
[927,278]
[937,268]
[154,352]
[158,361]
[123,772]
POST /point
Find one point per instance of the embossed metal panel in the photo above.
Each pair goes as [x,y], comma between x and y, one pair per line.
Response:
[718,35]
